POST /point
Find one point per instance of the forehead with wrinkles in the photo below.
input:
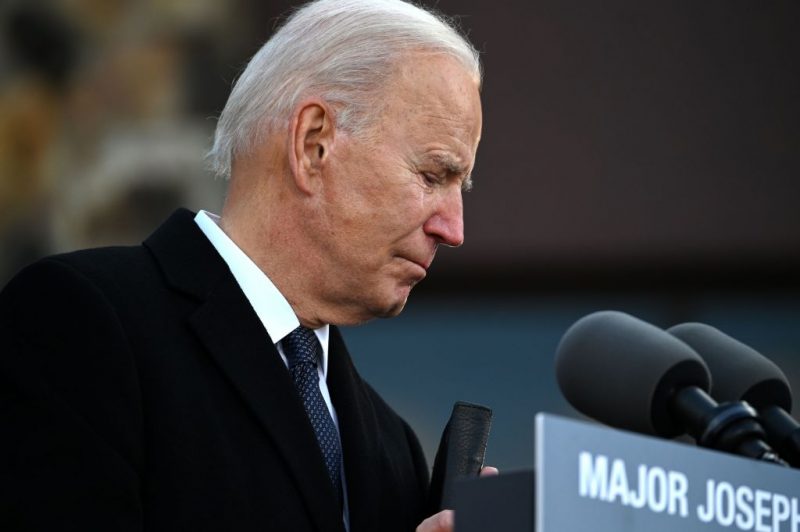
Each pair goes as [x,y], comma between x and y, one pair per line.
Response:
[432,106]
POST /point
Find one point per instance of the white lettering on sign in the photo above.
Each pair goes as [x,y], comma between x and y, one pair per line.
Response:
[657,489]
[748,508]
[663,491]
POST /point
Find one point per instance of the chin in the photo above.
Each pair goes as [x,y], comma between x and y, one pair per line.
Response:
[377,309]
[395,310]
[394,305]
[386,303]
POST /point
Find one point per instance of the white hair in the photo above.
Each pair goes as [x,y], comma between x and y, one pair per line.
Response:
[339,50]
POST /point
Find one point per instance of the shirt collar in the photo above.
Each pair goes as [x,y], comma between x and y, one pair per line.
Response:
[268,303]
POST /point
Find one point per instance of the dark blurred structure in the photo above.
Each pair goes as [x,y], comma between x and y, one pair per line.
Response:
[638,156]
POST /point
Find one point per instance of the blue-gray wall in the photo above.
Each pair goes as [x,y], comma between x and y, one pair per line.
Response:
[499,351]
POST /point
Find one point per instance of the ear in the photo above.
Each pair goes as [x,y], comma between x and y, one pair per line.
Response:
[312,132]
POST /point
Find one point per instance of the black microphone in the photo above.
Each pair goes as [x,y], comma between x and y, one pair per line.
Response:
[741,373]
[630,374]
[461,452]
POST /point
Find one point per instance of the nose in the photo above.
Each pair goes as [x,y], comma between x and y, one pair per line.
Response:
[446,224]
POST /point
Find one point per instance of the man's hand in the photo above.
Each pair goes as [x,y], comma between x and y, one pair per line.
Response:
[441,522]
[444,520]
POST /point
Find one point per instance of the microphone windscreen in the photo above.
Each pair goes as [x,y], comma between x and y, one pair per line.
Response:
[623,372]
[738,372]
[461,452]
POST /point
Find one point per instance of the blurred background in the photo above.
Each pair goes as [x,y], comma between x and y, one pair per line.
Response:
[638,156]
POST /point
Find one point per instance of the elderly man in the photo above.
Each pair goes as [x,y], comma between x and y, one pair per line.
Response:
[146,388]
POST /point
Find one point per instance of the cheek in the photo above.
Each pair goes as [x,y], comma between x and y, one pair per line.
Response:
[379,222]
[401,212]
[383,204]
[376,201]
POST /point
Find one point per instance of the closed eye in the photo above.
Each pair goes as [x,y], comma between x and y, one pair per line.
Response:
[431,179]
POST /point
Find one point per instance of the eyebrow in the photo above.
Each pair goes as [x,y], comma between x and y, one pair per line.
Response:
[452,167]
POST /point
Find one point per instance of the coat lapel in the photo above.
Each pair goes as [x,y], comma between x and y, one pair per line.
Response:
[358,427]
[229,328]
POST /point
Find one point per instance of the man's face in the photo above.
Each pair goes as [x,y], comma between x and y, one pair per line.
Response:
[389,202]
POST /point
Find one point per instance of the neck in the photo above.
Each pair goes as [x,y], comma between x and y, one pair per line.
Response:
[264,220]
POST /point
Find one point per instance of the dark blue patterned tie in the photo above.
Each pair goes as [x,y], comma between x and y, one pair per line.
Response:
[301,349]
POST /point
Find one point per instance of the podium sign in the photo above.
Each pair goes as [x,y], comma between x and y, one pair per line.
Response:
[596,478]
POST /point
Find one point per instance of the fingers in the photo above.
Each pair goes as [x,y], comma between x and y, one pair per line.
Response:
[441,522]
[489,471]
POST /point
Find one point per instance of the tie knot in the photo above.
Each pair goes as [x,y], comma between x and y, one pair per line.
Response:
[300,346]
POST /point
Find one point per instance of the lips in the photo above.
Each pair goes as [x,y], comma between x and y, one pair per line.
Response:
[422,264]
[421,270]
